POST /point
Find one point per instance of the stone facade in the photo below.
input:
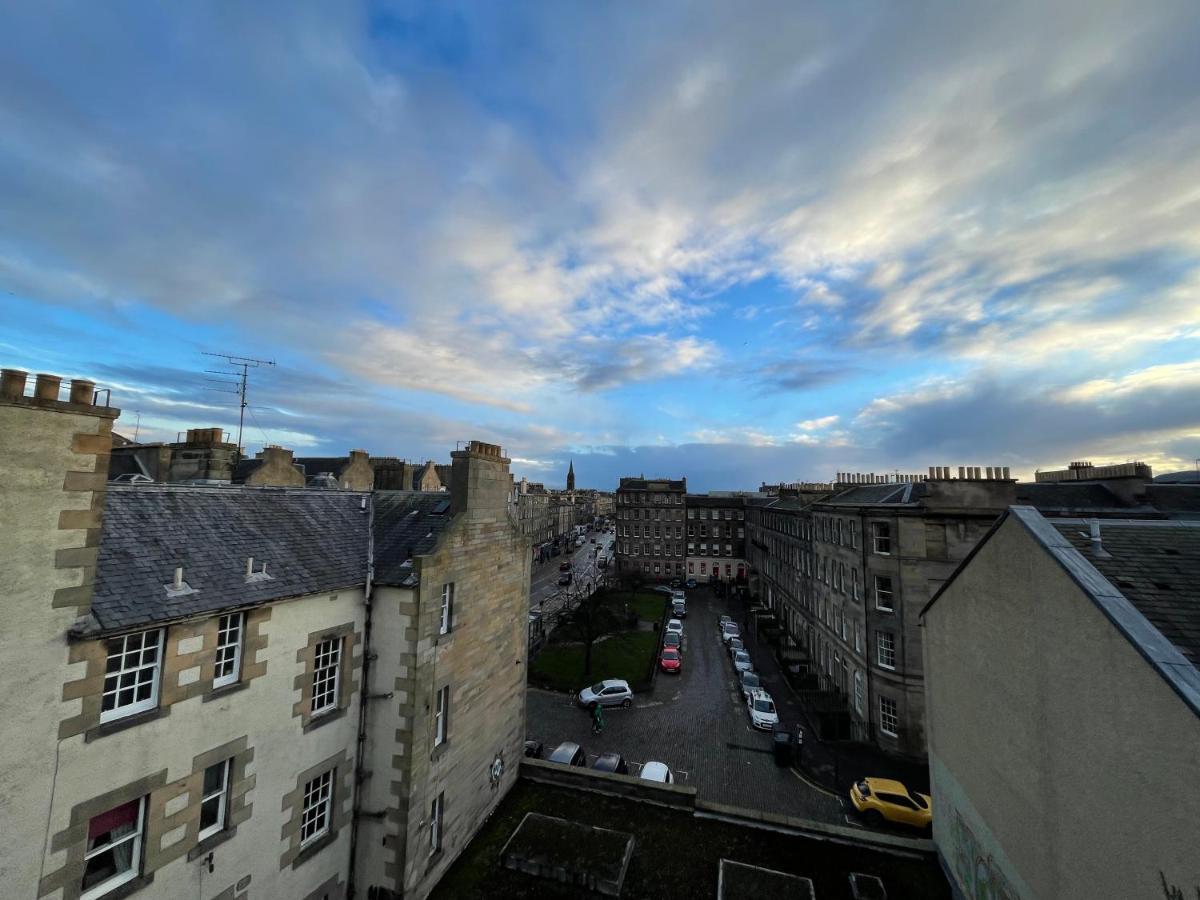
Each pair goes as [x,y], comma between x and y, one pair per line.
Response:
[650,521]
[716,537]
[208,777]
[452,726]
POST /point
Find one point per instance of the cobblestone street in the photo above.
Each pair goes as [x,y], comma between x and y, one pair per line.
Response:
[697,724]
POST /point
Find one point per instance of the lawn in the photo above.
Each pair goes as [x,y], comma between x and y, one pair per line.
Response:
[650,605]
[627,655]
[675,854]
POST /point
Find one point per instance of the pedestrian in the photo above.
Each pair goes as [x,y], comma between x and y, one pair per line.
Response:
[597,719]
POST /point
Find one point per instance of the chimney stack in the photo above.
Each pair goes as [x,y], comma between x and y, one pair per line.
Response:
[479,480]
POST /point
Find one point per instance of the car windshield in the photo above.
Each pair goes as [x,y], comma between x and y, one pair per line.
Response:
[750,680]
[730,628]
[763,705]
[742,656]
[670,654]
[597,688]
[919,800]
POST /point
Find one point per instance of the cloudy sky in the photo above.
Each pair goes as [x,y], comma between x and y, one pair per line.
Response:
[737,242]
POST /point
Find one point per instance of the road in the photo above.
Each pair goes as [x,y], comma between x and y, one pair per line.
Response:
[697,724]
[547,595]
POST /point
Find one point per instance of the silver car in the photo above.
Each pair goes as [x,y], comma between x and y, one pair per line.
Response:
[730,631]
[610,692]
[741,661]
[735,644]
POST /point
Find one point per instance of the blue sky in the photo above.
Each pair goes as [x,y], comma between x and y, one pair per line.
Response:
[728,242]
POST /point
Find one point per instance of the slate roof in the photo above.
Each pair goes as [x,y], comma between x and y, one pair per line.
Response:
[1156,566]
[872,494]
[311,541]
[653,484]
[1065,495]
[407,524]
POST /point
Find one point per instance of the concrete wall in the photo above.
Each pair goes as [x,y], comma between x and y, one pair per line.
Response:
[53,464]
[1063,765]
[160,756]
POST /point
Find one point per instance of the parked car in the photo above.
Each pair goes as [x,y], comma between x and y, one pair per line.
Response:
[762,710]
[723,621]
[672,639]
[690,583]
[610,692]
[611,762]
[679,609]
[564,566]
[877,799]
[675,582]
[741,661]
[730,631]
[751,682]
[663,589]
[656,771]
[591,540]
[564,578]
[734,645]
[568,753]
[671,660]
[674,626]
[533,749]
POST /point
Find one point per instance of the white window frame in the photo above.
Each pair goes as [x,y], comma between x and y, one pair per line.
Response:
[317,804]
[135,861]
[885,647]
[130,667]
[889,717]
[858,691]
[437,811]
[884,538]
[441,716]
[890,592]
[446,614]
[221,795]
[327,674]
[230,630]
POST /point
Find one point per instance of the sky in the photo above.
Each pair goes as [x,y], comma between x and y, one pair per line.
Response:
[733,242]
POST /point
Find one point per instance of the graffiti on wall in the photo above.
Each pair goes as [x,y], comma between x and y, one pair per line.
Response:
[979,877]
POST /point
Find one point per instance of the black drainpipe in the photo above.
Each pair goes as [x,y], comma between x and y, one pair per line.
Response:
[363,693]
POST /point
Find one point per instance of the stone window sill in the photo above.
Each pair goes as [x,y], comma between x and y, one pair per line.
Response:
[313,849]
[213,840]
[218,693]
[324,719]
[130,887]
[116,725]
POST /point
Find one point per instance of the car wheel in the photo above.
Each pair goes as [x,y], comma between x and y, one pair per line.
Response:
[873,818]
[627,702]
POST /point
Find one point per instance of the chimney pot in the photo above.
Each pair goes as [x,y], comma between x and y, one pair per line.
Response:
[12,384]
[1005,470]
[46,387]
[249,566]
[82,391]
[177,582]
[989,473]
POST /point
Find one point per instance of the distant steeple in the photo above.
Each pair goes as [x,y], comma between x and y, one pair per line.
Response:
[571,476]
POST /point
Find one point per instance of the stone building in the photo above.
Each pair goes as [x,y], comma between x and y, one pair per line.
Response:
[203,455]
[246,691]
[650,527]
[1062,674]
[353,472]
[716,536]
[847,567]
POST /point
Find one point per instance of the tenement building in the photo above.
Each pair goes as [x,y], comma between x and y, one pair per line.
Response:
[650,527]
[234,691]
[1062,674]
[716,536]
[848,569]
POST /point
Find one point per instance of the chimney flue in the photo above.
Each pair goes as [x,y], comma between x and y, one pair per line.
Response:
[46,387]
[12,384]
[1097,543]
[82,391]
[177,581]
[249,566]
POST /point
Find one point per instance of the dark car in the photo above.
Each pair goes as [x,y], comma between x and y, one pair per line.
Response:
[611,762]
[568,753]
[675,582]
[564,578]
[691,582]
[533,749]
[564,566]
[672,639]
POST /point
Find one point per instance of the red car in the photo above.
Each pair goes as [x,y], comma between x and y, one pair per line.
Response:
[670,660]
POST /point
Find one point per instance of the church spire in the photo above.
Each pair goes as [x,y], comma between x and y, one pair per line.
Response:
[571,476]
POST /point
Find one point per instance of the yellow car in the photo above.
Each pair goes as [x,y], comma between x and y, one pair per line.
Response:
[877,799]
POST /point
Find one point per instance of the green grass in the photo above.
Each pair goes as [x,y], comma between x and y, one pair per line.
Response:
[627,655]
[649,605]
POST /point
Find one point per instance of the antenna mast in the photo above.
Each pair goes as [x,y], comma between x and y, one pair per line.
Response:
[245,363]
